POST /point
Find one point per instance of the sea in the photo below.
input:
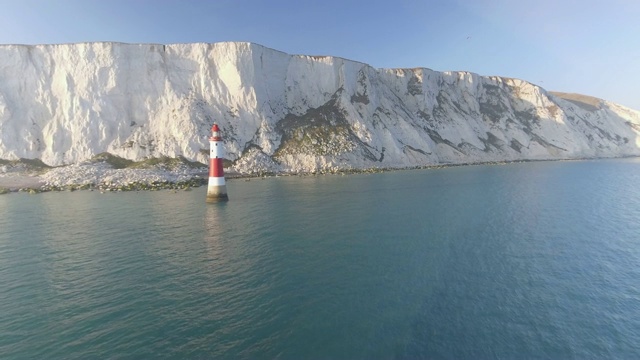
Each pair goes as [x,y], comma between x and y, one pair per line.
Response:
[525,260]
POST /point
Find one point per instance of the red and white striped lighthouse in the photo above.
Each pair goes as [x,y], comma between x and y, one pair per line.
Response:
[217,190]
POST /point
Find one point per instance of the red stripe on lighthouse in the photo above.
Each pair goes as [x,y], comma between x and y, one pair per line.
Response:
[215,168]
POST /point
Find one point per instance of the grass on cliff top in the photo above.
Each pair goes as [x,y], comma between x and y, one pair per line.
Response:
[589,103]
[163,162]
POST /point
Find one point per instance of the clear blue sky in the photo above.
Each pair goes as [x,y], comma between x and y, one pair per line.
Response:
[584,46]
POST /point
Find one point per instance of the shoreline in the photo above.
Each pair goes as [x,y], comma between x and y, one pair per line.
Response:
[12,182]
[35,183]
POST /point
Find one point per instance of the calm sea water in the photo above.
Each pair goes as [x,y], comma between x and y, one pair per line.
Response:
[535,260]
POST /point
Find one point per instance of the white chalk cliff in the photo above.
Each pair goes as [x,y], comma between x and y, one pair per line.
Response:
[66,103]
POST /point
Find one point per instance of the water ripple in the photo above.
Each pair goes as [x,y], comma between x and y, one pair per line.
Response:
[527,260]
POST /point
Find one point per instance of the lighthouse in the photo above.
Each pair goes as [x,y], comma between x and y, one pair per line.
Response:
[217,190]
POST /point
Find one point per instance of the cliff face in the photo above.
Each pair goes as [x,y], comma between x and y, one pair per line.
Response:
[65,103]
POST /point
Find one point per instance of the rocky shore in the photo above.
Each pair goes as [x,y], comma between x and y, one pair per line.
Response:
[111,175]
[104,172]
[102,177]
[84,177]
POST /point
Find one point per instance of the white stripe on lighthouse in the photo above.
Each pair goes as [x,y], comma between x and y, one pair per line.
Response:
[216,181]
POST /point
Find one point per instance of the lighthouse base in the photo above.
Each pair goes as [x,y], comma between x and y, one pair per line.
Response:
[217,193]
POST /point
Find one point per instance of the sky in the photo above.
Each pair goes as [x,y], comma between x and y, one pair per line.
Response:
[590,47]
